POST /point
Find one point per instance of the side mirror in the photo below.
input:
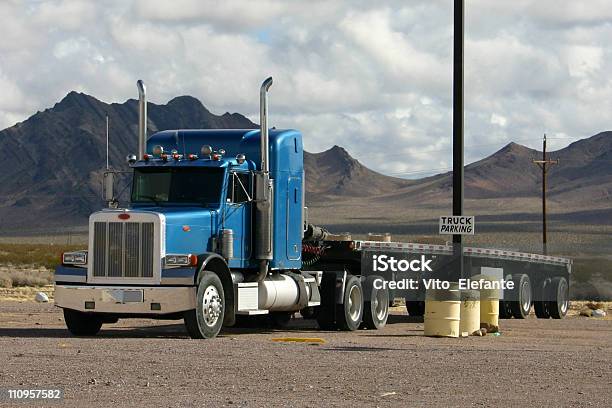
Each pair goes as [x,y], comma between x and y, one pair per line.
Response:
[109,182]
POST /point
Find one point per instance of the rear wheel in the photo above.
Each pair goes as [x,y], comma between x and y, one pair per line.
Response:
[560,294]
[521,296]
[376,310]
[540,306]
[205,321]
[415,307]
[505,311]
[350,312]
[82,324]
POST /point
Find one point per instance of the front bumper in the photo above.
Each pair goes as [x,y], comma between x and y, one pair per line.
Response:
[154,300]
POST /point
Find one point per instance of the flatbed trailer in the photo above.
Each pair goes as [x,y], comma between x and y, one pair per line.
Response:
[538,280]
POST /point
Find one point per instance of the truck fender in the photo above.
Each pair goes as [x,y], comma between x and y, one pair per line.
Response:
[212,262]
[336,280]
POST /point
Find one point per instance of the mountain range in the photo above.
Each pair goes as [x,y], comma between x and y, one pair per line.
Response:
[52,165]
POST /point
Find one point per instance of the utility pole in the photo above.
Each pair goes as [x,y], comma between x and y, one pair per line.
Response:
[458,34]
[107,166]
[543,164]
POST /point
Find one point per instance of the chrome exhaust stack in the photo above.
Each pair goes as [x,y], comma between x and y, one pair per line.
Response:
[263,120]
[142,118]
[264,191]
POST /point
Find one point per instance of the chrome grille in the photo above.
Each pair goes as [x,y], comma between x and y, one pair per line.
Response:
[123,249]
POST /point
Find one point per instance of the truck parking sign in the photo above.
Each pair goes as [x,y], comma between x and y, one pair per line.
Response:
[461,225]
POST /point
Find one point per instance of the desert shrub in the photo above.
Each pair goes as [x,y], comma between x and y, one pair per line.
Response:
[25,277]
[45,255]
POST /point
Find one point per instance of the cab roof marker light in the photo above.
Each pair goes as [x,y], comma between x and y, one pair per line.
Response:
[158,151]
[192,156]
[216,156]
[206,150]
[146,157]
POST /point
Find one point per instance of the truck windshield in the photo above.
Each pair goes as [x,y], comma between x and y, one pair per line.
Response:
[193,185]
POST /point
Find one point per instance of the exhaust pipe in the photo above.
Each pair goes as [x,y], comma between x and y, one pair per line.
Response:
[263,120]
[142,118]
[264,191]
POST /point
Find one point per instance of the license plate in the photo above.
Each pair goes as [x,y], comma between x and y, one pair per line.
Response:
[123,295]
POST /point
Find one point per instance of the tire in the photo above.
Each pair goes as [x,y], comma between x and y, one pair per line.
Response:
[415,308]
[540,306]
[205,321]
[349,314]
[521,296]
[326,312]
[559,289]
[280,320]
[81,323]
[505,311]
[325,318]
[541,309]
[110,319]
[376,310]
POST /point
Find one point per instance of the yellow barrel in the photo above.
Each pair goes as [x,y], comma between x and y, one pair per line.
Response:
[489,305]
[442,312]
[470,312]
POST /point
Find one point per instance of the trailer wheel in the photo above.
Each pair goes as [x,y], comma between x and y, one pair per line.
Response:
[205,321]
[505,311]
[82,324]
[376,310]
[521,296]
[540,306]
[560,293]
[350,312]
[415,307]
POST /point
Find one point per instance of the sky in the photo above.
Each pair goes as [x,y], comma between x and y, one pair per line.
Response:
[373,77]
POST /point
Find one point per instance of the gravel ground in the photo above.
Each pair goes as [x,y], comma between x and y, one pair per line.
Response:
[145,362]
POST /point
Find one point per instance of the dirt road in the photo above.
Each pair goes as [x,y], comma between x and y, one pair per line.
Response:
[153,363]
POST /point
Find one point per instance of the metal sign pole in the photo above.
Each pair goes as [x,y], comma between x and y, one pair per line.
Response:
[459,18]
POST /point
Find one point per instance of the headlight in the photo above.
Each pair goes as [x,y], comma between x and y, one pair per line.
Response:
[181,260]
[74,258]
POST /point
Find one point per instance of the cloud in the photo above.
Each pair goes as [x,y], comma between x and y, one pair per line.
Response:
[374,77]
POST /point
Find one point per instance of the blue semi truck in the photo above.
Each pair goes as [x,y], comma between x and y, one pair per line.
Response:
[217,232]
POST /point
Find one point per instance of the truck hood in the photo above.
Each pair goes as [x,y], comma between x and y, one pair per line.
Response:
[188,229]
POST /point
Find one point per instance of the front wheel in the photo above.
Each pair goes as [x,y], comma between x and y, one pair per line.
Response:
[205,321]
[82,324]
